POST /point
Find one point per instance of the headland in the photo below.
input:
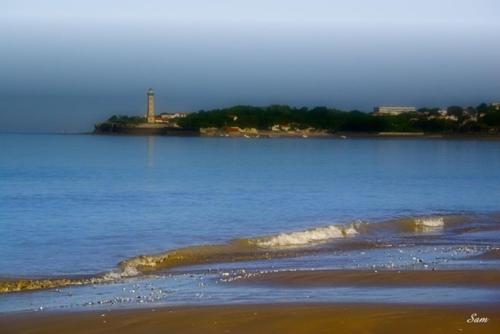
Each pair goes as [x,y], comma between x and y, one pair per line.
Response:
[283,121]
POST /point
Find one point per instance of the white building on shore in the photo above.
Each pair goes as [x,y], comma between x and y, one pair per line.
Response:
[384,110]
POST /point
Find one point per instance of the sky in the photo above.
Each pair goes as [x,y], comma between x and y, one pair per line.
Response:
[67,64]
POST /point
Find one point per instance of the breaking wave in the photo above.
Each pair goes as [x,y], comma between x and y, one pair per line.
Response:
[287,244]
[307,237]
[430,224]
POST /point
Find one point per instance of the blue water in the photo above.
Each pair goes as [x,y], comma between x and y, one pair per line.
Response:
[80,204]
[75,204]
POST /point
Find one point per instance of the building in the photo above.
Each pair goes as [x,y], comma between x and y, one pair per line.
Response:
[173,116]
[163,118]
[150,116]
[495,105]
[383,110]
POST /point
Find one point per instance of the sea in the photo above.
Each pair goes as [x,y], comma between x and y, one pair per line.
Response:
[100,221]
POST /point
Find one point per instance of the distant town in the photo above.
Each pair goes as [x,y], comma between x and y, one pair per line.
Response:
[287,121]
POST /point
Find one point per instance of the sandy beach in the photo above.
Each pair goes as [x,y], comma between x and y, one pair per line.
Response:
[286,318]
[249,167]
[460,317]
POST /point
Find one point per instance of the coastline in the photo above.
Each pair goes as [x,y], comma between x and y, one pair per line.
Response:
[264,134]
[390,278]
[263,318]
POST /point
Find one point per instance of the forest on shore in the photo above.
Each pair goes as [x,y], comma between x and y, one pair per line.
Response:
[455,119]
[483,118]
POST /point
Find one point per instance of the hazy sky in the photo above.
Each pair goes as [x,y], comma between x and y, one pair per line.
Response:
[65,65]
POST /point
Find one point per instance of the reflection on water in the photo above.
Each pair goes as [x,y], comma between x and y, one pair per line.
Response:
[151,148]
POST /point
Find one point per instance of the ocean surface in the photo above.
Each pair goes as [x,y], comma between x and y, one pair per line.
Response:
[87,206]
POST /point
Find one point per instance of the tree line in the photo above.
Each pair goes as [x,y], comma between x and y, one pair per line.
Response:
[483,118]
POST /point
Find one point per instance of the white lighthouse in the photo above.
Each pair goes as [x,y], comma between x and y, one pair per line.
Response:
[150,116]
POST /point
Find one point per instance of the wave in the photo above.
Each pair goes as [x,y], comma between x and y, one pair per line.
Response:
[431,224]
[308,237]
[287,244]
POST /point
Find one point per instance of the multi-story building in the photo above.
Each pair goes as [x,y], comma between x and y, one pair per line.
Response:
[384,110]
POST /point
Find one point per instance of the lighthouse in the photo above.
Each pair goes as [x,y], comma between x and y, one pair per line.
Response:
[150,116]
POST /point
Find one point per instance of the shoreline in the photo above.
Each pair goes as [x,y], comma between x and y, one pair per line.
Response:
[375,278]
[263,318]
[338,136]
[389,278]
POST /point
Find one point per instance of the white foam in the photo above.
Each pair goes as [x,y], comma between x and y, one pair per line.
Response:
[127,271]
[313,236]
[429,224]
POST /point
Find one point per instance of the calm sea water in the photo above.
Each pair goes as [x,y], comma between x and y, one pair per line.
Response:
[75,204]
[80,204]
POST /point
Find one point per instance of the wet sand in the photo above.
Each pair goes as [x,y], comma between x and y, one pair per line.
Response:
[493,254]
[286,318]
[384,278]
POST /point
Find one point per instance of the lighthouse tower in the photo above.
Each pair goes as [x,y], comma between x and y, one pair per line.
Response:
[151,106]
